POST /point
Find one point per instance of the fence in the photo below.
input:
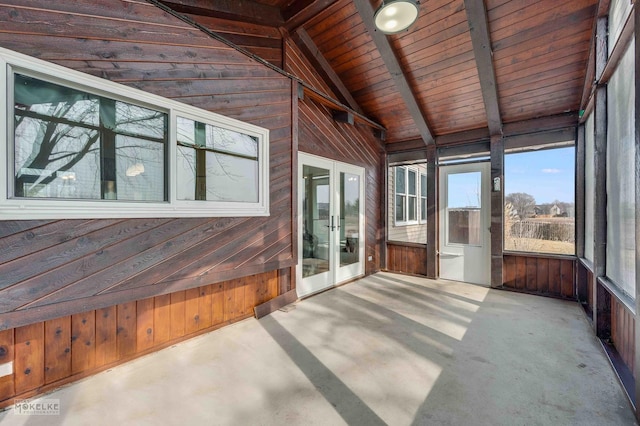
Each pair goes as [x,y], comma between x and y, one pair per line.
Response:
[563,231]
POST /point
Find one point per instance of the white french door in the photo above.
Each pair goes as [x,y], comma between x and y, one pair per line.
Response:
[330,223]
[465,240]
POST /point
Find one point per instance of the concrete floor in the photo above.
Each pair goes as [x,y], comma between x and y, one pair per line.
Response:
[388,349]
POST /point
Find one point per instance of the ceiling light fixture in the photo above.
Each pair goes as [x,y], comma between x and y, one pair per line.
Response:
[394,16]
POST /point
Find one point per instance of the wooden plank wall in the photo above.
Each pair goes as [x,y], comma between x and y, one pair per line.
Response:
[319,134]
[584,287]
[547,276]
[623,330]
[263,41]
[54,352]
[408,259]
[66,266]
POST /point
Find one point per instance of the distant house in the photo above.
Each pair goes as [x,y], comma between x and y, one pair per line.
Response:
[555,210]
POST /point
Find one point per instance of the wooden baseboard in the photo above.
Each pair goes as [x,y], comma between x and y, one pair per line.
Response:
[275,303]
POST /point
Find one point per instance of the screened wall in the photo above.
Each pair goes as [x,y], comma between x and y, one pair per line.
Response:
[620,260]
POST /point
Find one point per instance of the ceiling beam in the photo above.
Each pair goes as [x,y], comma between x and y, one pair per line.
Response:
[301,11]
[481,40]
[397,74]
[236,10]
[537,126]
[319,62]
[321,98]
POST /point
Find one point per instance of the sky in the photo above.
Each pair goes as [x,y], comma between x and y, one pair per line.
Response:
[547,175]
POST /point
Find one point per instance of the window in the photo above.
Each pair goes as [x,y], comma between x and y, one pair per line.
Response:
[83,147]
[407,208]
[215,163]
[69,144]
[410,195]
[464,205]
[589,187]
[621,226]
[423,197]
[401,194]
[539,213]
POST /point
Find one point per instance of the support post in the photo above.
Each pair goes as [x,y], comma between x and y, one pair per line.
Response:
[637,199]
[601,312]
[497,209]
[432,212]
[580,176]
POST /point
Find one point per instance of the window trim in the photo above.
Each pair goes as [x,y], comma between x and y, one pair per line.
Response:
[406,195]
[39,208]
[421,198]
[532,149]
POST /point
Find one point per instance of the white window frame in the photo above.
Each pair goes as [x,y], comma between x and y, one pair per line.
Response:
[39,208]
[422,211]
[406,196]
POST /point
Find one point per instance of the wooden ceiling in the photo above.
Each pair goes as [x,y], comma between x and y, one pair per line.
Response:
[466,70]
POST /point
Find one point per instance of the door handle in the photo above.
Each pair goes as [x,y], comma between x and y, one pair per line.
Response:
[333,225]
[451,254]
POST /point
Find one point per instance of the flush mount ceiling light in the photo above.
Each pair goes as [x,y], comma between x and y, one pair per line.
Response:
[394,16]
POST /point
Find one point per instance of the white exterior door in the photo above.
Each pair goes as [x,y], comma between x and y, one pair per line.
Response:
[465,240]
[330,223]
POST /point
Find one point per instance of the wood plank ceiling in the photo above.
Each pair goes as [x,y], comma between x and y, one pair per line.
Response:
[467,69]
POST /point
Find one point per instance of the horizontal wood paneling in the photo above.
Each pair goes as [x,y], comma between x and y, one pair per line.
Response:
[63,267]
[260,40]
[407,259]
[51,353]
[623,328]
[540,275]
[584,286]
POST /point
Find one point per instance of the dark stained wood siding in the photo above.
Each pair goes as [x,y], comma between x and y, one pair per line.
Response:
[549,276]
[623,327]
[54,352]
[319,134]
[55,268]
[407,259]
[584,287]
[263,41]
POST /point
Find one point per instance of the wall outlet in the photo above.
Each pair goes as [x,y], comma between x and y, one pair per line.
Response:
[6,369]
[370,258]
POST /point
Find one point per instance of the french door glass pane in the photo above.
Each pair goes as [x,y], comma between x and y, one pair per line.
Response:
[349,218]
[315,216]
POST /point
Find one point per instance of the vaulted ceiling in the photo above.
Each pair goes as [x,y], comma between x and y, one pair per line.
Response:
[466,70]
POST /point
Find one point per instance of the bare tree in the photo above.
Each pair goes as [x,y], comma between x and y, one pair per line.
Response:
[522,202]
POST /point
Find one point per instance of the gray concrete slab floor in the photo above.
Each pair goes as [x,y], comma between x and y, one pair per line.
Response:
[387,349]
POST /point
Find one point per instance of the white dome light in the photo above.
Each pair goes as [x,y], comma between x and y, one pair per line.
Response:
[395,16]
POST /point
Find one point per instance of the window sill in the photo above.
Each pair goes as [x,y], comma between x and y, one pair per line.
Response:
[540,255]
[626,300]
